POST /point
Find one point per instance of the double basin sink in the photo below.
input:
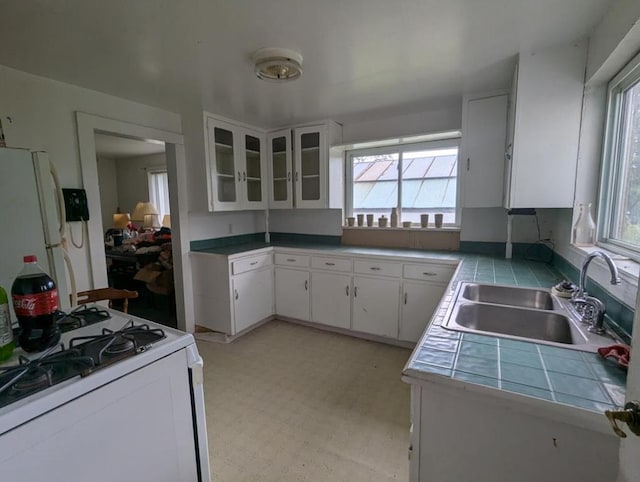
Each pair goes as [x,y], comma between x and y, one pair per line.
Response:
[527,314]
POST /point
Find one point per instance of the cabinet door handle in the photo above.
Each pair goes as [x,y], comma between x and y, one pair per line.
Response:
[238,176]
[253,263]
[244,176]
[291,260]
[375,268]
[236,294]
[289,176]
[329,264]
[468,163]
[405,298]
[306,285]
[297,176]
[429,273]
[347,290]
[355,291]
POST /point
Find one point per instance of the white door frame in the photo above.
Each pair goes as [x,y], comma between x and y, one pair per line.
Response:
[88,125]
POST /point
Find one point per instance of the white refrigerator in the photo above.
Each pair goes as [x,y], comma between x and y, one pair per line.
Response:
[31,218]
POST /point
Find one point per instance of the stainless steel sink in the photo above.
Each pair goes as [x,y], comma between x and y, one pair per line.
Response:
[508,295]
[529,314]
[507,320]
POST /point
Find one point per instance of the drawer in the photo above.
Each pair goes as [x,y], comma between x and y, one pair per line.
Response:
[429,272]
[382,268]
[248,264]
[332,264]
[284,259]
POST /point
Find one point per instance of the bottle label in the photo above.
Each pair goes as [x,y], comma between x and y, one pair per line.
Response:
[36,304]
[5,325]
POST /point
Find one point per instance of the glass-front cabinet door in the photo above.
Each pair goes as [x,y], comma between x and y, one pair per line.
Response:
[310,167]
[224,176]
[280,170]
[253,176]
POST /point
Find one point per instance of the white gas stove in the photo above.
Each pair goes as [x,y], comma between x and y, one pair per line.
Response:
[122,399]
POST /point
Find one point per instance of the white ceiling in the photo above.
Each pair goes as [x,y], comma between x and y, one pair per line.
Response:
[115,147]
[361,57]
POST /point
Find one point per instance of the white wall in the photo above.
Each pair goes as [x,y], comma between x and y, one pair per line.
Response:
[445,116]
[306,221]
[43,115]
[108,179]
[133,184]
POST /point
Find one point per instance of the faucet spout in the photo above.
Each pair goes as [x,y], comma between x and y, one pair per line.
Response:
[615,278]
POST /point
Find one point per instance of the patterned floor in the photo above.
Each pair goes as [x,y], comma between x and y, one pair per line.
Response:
[291,403]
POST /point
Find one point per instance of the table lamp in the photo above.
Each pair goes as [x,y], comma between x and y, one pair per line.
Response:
[146,213]
[166,221]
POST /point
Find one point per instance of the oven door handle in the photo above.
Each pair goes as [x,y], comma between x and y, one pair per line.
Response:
[196,382]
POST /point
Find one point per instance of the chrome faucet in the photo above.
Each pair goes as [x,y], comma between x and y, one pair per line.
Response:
[591,309]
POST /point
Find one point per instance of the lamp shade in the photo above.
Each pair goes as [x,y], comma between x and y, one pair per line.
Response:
[121,220]
[146,213]
[166,221]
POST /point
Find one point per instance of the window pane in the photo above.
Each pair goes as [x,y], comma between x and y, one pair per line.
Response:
[159,192]
[429,184]
[626,225]
[375,184]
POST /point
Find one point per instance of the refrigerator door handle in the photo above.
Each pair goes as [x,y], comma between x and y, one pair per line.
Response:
[61,209]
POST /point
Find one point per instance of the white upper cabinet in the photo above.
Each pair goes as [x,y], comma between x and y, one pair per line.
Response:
[236,167]
[311,161]
[542,140]
[318,173]
[279,161]
[483,140]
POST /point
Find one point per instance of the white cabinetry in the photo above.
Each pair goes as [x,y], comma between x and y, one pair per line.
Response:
[231,294]
[331,299]
[252,298]
[483,140]
[236,167]
[292,293]
[318,176]
[375,306]
[280,169]
[546,108]
[419,301]
[515,438]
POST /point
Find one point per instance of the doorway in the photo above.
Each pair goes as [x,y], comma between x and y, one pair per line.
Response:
[90,125]
[132,177]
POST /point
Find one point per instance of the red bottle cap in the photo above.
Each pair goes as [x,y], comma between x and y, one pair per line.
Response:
[30,259]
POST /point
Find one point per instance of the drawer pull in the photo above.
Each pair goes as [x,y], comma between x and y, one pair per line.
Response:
[375,268]
[253,263]
[330,264]
[291,260]
[429,273]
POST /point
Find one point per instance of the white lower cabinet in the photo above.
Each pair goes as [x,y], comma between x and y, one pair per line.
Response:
[419,301]
[292,293]
[331,299]
[375,306]
[252,298]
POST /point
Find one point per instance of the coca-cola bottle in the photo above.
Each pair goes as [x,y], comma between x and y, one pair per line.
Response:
[35,301]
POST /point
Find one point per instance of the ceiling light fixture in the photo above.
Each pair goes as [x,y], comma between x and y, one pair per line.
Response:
[277,64]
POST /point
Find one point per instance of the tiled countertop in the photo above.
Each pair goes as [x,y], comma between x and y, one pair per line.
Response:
[565,376]
[557,375]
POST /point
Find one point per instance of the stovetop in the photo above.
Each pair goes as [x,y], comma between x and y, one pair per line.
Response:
[83,355]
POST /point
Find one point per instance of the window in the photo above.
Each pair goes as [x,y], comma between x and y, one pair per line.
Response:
[620,189]
[415,178]
[159,191]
